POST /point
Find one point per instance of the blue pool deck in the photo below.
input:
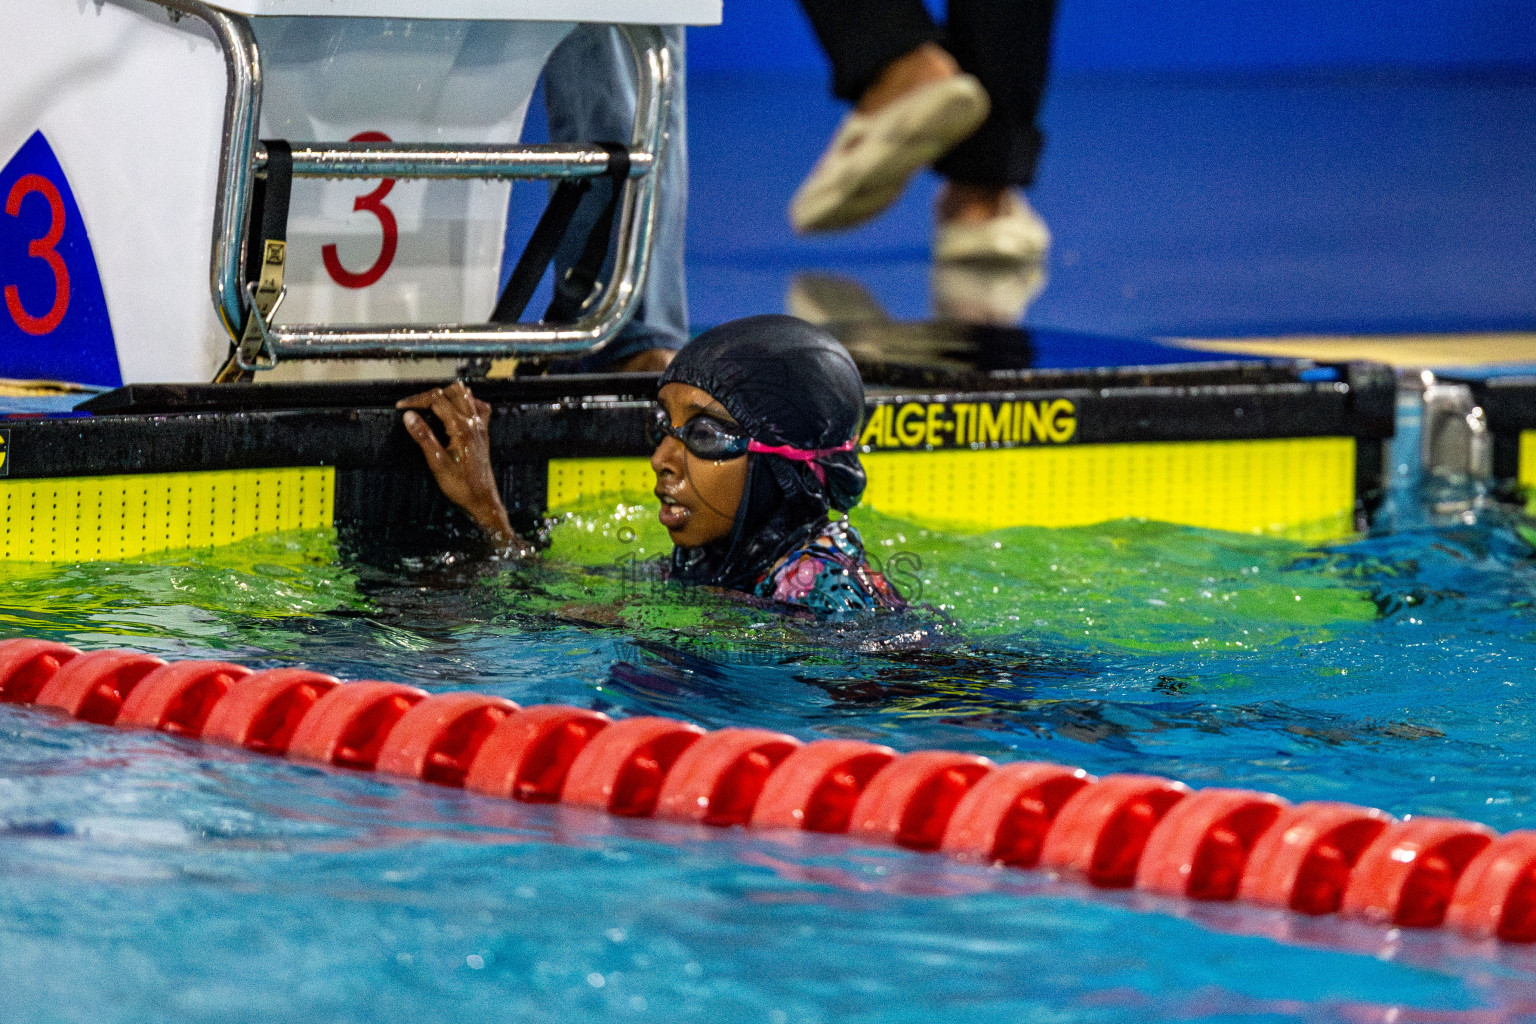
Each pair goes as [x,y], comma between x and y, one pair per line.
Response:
[1364,204]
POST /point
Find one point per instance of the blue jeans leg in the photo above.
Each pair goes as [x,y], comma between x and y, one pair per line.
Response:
[589,96]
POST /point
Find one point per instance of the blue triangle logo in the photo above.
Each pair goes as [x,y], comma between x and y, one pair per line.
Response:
[53,314]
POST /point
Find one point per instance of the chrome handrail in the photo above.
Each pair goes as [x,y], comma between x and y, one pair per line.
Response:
[242,112]
[599,324]
[450,160]
[241,159]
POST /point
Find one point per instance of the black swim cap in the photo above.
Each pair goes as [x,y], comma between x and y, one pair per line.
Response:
[787,383]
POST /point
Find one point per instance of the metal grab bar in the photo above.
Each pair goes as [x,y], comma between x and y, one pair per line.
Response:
[449,160]
[601,322]
[607,315]
[428,341]
[242,110]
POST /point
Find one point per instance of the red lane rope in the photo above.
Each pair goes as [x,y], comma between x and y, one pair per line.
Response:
[1121,831]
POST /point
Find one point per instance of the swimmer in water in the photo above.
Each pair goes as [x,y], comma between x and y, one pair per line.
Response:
[754,432]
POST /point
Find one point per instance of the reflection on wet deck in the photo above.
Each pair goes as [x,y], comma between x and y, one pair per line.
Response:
[1433,351]
[1259,207]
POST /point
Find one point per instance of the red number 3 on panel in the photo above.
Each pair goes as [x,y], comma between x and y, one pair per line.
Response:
[45,249]
[372,203]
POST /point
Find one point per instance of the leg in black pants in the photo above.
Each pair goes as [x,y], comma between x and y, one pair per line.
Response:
[1004,43]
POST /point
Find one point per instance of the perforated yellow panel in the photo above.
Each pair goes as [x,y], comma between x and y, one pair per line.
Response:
[571,481]
[1294,487]
[82,519]
[1528,460]
[1302,487]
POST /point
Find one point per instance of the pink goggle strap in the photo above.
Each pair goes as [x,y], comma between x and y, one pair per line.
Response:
[810,456]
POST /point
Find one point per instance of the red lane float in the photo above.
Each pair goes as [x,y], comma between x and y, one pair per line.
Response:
[910,800]
[621,770]
[437,740]
[93,686]
[347,726]
[529,754]
[1003,819]
[718,779]
[816,787]
[27,665]
[1215,844]
[178,698]
[1407,875]
[1496,896]
[1303,861]
[1201,846]
[262,711]
[1100,832]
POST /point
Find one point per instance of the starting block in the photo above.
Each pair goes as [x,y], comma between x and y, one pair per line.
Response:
[132,163]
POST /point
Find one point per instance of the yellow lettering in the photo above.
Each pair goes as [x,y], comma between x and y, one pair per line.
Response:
[910,434]
[995,425]
[915,424]
[936,423]
[1034,422]
[965,414]
[874,430]
[1062,420]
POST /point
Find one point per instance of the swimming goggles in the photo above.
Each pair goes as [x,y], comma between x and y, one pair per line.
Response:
[708,438]
[703,436]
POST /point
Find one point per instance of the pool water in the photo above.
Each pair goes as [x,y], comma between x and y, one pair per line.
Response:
[148,878]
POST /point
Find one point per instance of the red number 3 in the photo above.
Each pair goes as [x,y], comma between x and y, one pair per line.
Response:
[44,249]
[372,203]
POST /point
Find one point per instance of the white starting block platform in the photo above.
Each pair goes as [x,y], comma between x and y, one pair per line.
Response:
[129,146]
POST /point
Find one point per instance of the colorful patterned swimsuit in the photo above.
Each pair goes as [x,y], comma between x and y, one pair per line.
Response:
[831,576]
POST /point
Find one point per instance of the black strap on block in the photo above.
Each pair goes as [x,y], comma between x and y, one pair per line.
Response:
[573,290]
[266,255]
[540,249]
[269,206]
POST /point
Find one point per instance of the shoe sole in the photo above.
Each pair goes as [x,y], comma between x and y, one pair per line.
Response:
[990,253]
[913,141]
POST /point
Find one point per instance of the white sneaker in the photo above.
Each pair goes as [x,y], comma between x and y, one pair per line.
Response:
[867,165]
[988,294]
[1018,235]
